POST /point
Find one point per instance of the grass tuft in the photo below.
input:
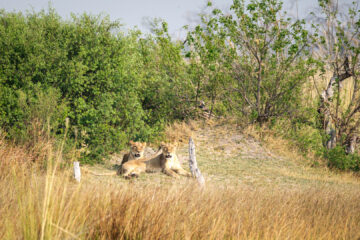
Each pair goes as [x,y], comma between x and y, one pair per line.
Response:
[303,204]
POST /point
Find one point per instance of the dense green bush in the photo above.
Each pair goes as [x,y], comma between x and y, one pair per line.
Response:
[113,87]
[167,88]
[338,158]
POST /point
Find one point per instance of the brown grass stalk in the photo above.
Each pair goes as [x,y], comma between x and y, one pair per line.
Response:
[51,205]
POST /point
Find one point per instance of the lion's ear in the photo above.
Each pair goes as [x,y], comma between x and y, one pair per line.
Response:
[162,144]
[131,142]
[144,144]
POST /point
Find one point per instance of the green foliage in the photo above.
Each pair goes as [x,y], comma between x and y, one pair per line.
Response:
[338,158]
[302,133]
[338,48]
[256,54]
[166,89]
[210,59]
[112,87]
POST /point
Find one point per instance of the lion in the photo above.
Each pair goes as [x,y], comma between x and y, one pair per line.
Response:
[137,150]
[166,161]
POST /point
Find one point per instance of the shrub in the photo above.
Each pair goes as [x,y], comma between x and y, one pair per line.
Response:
[338,158]
[113,87]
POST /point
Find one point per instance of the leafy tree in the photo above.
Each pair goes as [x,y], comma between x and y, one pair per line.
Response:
[166,88]
[338,47]
[269,56]
[210,58]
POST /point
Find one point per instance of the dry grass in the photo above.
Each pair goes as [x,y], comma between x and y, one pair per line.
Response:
[230,154]
[313,89]
[277,144]
[180,131]
[36,205]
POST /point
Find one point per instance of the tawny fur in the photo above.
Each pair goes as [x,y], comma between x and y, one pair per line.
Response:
[166,161]
[137,150]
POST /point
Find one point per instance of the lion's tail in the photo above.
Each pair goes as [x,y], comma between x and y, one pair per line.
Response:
[99,174]
[103,174]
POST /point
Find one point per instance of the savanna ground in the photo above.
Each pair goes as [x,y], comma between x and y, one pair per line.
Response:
[80,89]
[254,190]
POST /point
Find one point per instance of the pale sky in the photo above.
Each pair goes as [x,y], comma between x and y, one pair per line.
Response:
[136,12]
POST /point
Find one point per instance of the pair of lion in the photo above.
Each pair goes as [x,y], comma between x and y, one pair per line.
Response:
[134,162]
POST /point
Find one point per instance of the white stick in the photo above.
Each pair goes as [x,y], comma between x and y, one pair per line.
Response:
[77,173]
[193,164]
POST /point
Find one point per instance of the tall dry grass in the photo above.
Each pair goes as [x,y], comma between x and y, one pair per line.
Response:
[50,205]
[180,131]
[317,84]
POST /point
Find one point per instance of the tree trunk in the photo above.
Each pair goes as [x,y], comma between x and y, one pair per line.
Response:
[258,92]
[197,92]
[351,144]
[324,111]
[213,97]
[326,98]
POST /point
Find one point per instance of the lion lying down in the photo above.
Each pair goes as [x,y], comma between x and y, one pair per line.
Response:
[166,161]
